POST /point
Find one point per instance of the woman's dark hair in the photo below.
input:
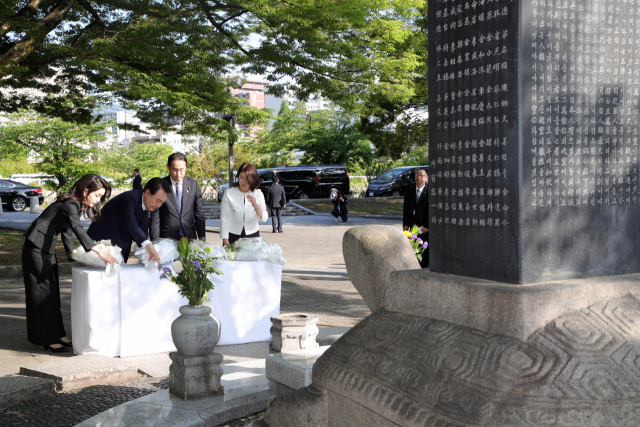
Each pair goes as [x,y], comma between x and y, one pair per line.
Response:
[154,184]
[252,176]
[177,156]
[91,183]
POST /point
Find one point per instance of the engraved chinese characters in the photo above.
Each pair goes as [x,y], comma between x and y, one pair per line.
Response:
[534,109]
[580,81]
[473,116]
[583,92]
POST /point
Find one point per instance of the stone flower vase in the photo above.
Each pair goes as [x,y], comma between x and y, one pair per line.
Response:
[195,332]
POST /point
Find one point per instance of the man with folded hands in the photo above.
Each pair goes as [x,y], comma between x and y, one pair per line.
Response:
[183,214]
[125,218]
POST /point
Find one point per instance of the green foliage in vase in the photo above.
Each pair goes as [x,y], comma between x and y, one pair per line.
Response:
[191,275]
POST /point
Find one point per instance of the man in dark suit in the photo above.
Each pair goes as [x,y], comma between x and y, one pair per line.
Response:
[276,200]
[125,218]
[183,214]
[416,210]
[137,180]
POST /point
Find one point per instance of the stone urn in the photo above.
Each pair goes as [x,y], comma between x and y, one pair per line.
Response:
[195,332]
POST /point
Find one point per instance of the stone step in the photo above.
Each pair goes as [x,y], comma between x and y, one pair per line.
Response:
[15,389]
[246,391]
[81,371]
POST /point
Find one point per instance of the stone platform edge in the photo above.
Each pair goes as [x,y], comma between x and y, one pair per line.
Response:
[13,273]
[516,311]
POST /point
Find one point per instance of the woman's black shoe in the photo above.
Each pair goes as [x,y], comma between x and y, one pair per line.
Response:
[66,344]
[56,350]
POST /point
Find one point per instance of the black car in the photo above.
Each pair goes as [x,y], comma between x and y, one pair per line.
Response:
[308,181]
[394,182]
[17,196]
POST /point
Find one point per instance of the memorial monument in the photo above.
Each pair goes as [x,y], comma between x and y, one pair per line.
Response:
[530,315]
[534,138]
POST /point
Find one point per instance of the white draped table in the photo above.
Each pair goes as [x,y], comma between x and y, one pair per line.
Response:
[130,313]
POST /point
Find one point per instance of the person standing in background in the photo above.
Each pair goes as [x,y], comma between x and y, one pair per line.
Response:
[137,180]
[276,201]
[416,210]
[183,214]
[340,207]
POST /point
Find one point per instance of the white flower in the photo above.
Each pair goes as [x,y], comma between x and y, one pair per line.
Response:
[177,266]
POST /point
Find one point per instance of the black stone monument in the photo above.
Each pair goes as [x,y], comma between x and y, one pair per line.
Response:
[533,110]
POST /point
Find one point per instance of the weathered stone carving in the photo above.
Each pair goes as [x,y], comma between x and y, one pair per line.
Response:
[371,253]
[583,368]
[306,407]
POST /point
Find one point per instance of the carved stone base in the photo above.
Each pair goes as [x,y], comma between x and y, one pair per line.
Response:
[195,376]
[293,331]
[581,369]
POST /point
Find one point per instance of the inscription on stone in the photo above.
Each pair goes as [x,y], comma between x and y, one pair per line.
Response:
[473,115]
[534,121]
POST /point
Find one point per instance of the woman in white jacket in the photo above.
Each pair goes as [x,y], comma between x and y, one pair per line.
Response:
[242,206]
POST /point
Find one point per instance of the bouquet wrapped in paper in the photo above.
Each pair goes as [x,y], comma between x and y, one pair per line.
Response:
[92,259]
[167,249]
[208,251]
[256,249]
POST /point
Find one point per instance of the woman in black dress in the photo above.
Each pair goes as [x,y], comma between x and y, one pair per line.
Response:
[39,262]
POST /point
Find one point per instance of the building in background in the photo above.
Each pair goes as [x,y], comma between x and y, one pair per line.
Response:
[253,92]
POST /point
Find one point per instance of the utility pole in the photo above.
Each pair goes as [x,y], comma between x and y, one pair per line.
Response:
[232,135]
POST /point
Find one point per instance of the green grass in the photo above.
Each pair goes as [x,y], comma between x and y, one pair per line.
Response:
[11,242]
[361,206]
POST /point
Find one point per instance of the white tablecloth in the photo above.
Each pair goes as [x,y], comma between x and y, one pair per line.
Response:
[130,313]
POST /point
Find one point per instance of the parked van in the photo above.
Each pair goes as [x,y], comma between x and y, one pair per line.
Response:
[394,182]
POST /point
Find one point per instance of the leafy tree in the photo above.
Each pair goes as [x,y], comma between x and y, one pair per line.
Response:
[210,167]
[62,149]
[275,146]
[168,59]
[332,137]
[150,159]
[397,128]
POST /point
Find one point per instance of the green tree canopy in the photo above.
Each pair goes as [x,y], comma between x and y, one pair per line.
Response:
[168,58]
[119,162]
[61,149]
[332,137]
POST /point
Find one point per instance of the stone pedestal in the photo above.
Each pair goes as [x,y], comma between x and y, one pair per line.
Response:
[455,351]
[195,376]
[291,370]
[294,331]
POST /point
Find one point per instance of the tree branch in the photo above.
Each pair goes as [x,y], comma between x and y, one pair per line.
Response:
[221,28]
[30,41]
[29,10]
[87,6]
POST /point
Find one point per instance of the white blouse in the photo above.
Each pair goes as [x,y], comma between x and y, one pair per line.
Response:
[237,212]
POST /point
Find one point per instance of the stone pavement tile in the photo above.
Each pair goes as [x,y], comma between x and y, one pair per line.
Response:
[154,365]
[18,388]
[81,371]
[143,414]
[335,302]
[330,334]
[68,408]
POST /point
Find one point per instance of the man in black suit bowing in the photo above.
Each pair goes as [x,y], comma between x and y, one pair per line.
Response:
[125,218]
[183,214]
[276,200]
[416,210]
